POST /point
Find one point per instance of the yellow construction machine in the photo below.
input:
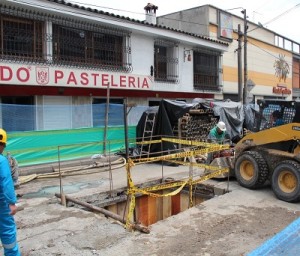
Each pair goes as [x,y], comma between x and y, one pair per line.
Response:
[272,153]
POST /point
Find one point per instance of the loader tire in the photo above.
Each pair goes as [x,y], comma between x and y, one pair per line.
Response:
[285,181]
[251,170]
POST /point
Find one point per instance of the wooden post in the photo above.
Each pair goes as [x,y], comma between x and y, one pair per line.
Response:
[62,198]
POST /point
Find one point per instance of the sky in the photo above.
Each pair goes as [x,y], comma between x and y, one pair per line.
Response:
[280,16]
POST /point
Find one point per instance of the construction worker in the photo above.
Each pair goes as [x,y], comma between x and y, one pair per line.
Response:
[8,208]
[14,169]
[217,134]
[276,118]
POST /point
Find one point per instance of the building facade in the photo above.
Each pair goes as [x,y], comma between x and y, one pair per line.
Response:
[57,53]
[54,53]
[266,53]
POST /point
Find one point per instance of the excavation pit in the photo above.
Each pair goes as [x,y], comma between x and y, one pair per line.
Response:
[150,209]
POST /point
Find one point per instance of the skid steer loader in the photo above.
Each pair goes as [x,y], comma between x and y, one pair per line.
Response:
[272,153]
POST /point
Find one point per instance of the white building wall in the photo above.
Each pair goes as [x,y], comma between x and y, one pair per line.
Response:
[186,73]
[143,58]
[142,47]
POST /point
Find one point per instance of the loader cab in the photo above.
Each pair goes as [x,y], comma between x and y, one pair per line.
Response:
[267,117]
[270,111]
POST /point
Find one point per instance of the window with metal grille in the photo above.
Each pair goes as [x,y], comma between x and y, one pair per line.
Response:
[21,38]
[206,70]
[165,61]
[77,46]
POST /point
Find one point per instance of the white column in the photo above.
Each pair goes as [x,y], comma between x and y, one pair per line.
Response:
[49,41]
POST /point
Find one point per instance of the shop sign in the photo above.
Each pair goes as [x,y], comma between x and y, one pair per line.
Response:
[281,89]
[52,76]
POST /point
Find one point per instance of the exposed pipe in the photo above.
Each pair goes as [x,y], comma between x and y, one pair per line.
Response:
[105,212]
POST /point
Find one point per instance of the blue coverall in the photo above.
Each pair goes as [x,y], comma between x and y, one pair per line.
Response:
[8,229]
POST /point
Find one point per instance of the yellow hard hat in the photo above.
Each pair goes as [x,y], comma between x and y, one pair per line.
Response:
[3,136]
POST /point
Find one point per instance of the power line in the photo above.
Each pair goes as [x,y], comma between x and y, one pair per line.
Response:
[277,17]
[287,11]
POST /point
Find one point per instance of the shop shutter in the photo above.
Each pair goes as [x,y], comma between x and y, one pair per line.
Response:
[57,112]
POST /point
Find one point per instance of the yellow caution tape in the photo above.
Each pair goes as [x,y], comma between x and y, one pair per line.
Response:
[130,162]
[165,186]
[211,175]
[212,148]
[184,142]
[191,192]
[173,193]
[145,142]
[130,212]
[192,142]
[129,180]
[206,166]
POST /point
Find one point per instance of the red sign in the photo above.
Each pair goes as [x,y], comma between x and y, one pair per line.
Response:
[51,76]
[281,89]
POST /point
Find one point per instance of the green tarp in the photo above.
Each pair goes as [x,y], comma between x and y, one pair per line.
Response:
[38,147]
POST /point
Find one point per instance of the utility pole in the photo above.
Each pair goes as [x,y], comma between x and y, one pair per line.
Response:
[239,51]
[245,58]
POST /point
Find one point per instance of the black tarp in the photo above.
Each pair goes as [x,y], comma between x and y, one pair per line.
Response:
[168,114]
[170,111]
[166,121]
